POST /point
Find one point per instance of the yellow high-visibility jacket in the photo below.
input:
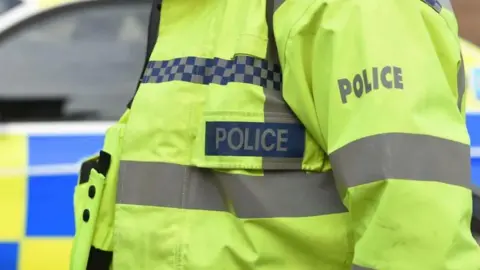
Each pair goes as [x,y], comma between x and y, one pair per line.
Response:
[295,135]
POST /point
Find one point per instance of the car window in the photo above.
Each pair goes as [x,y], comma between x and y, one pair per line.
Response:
[89,59]
[6,5]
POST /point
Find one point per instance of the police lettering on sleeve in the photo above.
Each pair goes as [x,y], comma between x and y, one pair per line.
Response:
[389,77]
[254,139]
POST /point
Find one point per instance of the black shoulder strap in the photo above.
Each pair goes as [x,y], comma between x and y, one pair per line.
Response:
[151,40]
[476,210]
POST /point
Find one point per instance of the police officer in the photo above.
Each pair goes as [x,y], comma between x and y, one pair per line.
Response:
[287,135]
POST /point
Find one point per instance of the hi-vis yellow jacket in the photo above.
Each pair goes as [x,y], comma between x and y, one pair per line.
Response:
[332,137]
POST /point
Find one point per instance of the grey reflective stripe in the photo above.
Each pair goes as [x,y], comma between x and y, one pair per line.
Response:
[169,185]
[275,108]
[276,194]
[282,194]
[402,156]
[461,80]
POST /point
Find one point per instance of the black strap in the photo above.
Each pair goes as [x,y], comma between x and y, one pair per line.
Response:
[476,226]
[99,259]
[151,40]
[476,213]
[101,164]
[104,160]
[85,169]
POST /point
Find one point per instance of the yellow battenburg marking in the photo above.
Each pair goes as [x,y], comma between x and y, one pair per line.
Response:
[52,3]
[13,157]
[13,181]
[43,253]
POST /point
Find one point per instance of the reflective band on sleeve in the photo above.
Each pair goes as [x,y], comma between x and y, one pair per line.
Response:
[276,194]
[402,156]
[242,69]
[282,194]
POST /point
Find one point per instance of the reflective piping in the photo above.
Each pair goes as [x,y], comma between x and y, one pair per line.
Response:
[402,156]
[461,80]
[241,69]
[276,194]
[275,108]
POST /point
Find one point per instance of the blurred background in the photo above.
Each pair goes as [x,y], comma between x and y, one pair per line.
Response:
[74,65]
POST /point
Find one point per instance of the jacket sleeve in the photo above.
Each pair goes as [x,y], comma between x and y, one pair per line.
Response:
[379,85]
[94,204]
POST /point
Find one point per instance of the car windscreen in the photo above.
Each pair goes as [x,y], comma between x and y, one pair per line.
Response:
[89,57]
[6,5]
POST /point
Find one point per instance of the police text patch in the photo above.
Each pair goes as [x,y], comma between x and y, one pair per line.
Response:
[389,77]
[254,139]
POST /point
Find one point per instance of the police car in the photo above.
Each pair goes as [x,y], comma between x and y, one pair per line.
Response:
[472,64]
[67,73]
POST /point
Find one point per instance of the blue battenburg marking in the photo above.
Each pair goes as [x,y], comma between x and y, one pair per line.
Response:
[241,69]
[50,196]
[50,206]
[8,256]
[65,149]
[473,125]
[476,172]
[254,139]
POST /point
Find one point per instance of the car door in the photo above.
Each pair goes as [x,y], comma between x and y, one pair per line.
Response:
[66,74]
